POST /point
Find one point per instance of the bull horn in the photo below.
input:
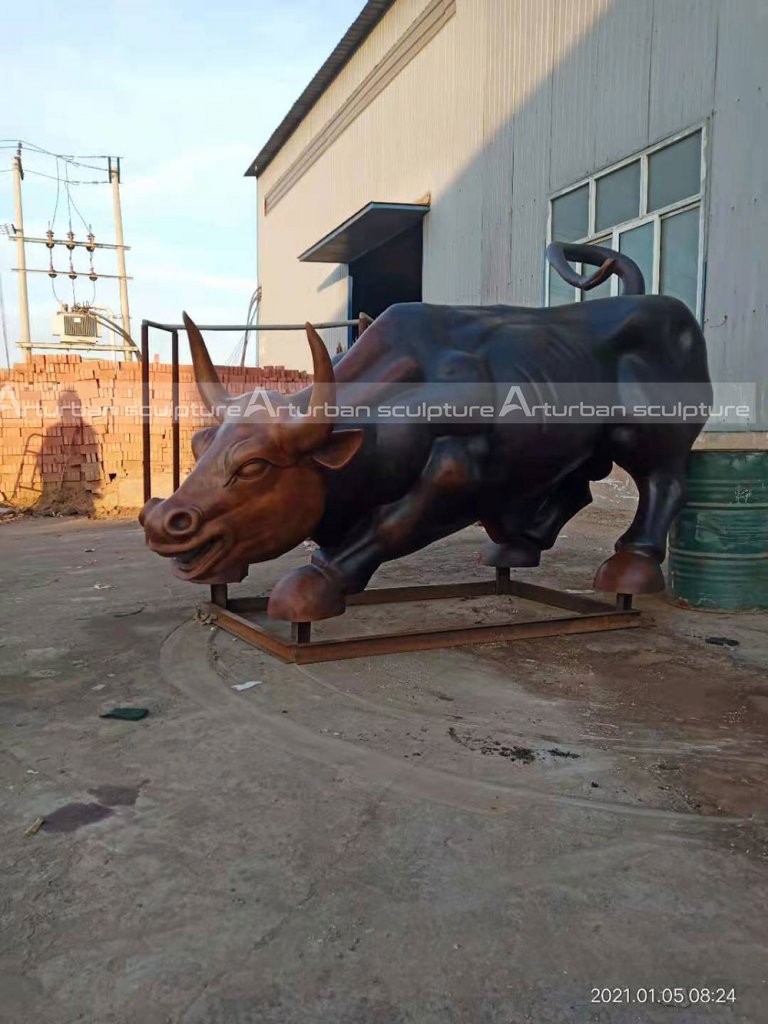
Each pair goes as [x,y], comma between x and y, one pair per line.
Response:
[213,393]
[312,429]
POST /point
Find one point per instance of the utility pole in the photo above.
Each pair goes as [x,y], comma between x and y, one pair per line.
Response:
[88,336]
[21,256]
[114,175]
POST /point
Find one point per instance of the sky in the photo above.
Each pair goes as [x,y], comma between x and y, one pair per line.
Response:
[186,94]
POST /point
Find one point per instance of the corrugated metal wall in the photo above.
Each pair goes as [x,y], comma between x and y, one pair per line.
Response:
[512,100]
[737,273]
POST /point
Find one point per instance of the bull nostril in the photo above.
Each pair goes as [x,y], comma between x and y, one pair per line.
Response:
[182,522]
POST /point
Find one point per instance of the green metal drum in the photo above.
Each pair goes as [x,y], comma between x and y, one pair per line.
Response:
[718,545]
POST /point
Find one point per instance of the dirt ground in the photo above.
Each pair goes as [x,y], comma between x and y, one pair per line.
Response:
[482,835]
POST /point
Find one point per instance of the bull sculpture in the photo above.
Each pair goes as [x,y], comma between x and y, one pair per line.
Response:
[374,491]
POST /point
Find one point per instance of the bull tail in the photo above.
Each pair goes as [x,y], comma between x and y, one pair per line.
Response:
[608,262]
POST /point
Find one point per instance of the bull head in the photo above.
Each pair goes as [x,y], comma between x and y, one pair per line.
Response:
[259,484]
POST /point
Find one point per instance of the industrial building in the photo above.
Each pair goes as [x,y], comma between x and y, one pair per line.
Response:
[445,142]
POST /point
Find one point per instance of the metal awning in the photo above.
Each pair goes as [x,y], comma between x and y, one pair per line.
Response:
[367,229]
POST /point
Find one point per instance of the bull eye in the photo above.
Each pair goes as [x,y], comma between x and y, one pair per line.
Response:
[252,469]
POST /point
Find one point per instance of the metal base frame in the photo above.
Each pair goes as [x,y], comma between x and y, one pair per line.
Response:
[587,615]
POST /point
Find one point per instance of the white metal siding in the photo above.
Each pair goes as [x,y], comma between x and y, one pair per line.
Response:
[392,26]
[512,100]
[683,64]
[736,298]
[360,166]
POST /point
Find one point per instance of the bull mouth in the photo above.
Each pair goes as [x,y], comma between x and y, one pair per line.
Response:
[198,560]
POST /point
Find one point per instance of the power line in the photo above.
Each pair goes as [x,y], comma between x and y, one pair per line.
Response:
[70,159]
[52,177]
[69,200]
[77,211]
[233,355]
[53,289]
[52,222]
[253,312]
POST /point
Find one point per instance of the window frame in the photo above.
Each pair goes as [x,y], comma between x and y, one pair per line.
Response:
[644,216]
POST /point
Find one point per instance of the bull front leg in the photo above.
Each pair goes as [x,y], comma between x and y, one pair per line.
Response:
[438,505]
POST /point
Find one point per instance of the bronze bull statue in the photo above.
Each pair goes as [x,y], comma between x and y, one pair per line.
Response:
[266,478]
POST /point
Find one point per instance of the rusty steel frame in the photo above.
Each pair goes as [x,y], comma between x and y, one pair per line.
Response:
[587,616]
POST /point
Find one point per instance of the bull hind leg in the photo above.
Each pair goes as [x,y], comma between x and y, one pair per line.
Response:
[508,546]
[517,540]
[655,457]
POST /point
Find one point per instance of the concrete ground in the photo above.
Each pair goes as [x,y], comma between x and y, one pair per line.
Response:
[484,835]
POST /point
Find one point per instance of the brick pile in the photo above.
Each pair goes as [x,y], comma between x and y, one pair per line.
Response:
[70,428]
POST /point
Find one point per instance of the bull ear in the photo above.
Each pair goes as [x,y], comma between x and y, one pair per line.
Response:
[201,439]
[338,449]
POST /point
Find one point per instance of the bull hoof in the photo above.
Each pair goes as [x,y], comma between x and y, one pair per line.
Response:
[306,595]
[517,555]
[629,572]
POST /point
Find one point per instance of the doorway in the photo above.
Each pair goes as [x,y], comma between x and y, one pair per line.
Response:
[387,274]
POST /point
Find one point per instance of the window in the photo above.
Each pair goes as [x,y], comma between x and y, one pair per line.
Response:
[648,207]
